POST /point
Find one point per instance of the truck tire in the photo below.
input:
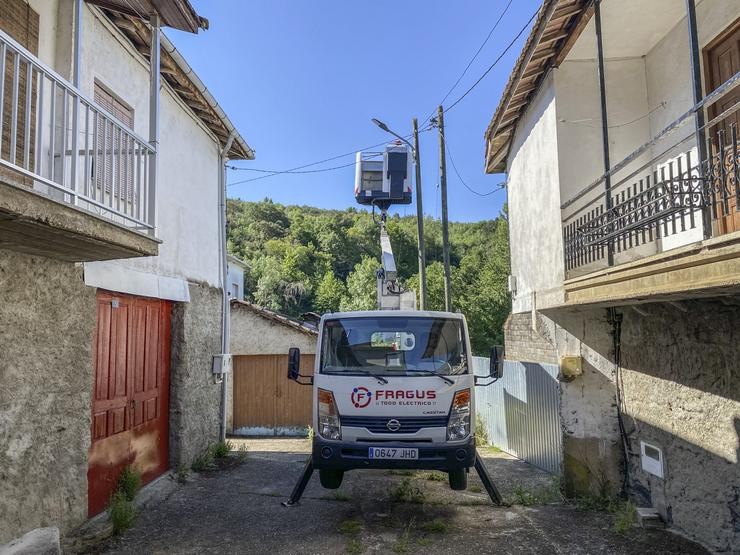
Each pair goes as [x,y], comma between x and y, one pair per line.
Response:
[458,479]
[331,479]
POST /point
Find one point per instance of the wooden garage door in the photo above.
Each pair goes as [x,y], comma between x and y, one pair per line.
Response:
[266,402]
[130,411]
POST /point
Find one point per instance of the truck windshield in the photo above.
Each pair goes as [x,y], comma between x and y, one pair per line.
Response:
[391,346]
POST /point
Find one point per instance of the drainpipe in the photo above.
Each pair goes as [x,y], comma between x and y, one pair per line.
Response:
[604,125]
[225,309]
[154,84]
[77,43]
[701,147]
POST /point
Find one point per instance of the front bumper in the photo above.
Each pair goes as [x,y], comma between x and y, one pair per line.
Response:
[338,455]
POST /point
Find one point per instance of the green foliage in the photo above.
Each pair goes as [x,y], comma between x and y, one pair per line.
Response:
[301,259]
[121,512]
[625,516]
[407,492]
[129,483]
[222,449]
[437,526]
[481,432]
[350,527]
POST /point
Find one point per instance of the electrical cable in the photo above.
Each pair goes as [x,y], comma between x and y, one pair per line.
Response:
[475,56]
[497,188]
[496,61]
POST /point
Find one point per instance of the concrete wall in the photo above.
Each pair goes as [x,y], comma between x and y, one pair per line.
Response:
[678,379]
[534,204]
[195,398]
[46,339]
[252,334]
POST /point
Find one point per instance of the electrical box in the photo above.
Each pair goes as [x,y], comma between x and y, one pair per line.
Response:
[221,364]
[651,458]
[512,284]
[384,178]
[571,366]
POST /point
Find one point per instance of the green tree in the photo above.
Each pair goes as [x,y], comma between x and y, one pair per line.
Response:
[361,287]
[329,294]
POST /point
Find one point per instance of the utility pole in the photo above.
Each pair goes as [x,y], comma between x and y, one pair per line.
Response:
[420,223]
[443,189]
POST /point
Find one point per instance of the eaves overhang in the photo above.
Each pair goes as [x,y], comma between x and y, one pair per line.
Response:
[557,26]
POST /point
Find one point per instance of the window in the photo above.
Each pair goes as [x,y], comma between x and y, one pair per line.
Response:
[116,160]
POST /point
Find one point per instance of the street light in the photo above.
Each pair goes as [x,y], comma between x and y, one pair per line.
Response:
[419,210]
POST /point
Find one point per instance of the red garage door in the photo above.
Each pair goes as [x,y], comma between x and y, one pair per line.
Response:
[131,393]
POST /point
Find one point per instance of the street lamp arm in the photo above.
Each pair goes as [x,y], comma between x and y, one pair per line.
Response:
[385,128]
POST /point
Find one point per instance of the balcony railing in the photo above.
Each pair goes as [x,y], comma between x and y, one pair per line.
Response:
[670,200]
[60,143]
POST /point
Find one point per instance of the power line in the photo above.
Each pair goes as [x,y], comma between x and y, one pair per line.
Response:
[497,188]
[297,169]
[475,56]
[496,61]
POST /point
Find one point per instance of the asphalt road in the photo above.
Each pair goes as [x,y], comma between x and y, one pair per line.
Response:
[237,510]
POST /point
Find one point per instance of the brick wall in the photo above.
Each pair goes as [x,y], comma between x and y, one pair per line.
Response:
[525,344]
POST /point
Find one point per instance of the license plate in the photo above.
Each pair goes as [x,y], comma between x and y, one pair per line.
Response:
[393,453]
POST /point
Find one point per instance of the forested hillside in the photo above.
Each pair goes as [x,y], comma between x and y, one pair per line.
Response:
[303,259]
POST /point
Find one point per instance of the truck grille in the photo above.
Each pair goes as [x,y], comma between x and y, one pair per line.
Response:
[409,425]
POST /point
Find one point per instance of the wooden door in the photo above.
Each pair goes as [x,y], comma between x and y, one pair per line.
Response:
[130,412]
[266,402]
[722,61]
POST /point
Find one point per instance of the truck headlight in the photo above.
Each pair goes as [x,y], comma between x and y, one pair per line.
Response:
[329,424]
[458,426]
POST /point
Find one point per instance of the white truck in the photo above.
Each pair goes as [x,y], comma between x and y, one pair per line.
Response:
[393,388]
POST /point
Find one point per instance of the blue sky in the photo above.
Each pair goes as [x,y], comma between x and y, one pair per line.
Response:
[301,80]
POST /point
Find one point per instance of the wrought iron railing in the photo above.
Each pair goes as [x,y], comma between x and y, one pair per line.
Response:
[645,211]
[59,142]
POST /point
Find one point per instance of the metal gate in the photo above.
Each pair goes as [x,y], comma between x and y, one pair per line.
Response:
[266,402]
[520,411]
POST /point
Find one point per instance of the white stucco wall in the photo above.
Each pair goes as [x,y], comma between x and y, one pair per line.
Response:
[534,205]
[252,334]
[188,166]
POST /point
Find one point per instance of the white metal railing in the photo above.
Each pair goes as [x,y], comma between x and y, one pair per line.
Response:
[61,143]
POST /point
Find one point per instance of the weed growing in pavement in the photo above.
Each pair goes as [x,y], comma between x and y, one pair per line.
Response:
[182,473]
[121,512]
[400,473]
[488,449]
[437,526]
[624,517]
[129,483]
[350,527]
[432,475]
[310,433]
[354,547]
[522,497]
[338,496]
[204,460]
[541,496]
[241,452]
[222,449]
[407,492]
[475,489]
[402,544]
[481,432]
[474,502]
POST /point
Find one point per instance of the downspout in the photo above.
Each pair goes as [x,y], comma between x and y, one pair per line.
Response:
[225,309]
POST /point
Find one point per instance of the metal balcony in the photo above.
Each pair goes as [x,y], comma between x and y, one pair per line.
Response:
[59,145]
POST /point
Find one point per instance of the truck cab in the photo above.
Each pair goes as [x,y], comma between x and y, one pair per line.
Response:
[392,390]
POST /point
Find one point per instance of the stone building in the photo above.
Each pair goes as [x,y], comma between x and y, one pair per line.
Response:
[617,131]
[112,157]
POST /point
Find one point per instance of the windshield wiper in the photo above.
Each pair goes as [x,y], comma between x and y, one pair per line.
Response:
[432,373]
[357,372]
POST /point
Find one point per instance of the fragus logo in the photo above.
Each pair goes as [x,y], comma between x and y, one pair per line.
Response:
[361,397]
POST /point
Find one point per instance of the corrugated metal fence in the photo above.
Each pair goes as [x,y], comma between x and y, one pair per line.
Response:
[520,411]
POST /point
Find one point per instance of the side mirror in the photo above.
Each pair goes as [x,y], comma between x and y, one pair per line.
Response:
[496,369]
[294,363]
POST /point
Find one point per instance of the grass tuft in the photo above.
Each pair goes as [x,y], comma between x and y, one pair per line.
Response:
[182,473]
[222,449]
[407,492]
[354,547]
[624,517]
[403,543]
[350,527]
[129,483]
[437,526]
[204,461]
[481,432]
[121,512]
